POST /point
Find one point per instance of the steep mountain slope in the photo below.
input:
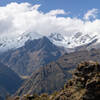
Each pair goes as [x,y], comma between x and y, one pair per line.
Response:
[52,76]
[84,85]
[46,79]
[9,81]
[32,55]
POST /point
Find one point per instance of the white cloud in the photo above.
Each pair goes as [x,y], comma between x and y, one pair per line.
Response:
[17,18]
[56,12]
[36,7]
[91,14]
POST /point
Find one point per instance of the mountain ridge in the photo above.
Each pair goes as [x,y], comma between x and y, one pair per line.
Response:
[59,39]
[33,54]
[52,76]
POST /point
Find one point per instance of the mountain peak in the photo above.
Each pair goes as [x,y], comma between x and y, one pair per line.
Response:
[37,44]
[73,41]
[45,40]
[56,37]
[59,39]
[34,54]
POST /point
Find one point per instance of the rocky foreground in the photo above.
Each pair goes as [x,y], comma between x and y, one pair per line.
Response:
[84,85]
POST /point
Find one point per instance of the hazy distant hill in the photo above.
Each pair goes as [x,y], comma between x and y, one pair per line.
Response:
[9,81]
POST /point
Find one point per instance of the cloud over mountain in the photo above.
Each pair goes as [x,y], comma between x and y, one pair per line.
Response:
[17,18]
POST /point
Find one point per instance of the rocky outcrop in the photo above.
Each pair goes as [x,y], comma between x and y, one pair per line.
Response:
[85,84]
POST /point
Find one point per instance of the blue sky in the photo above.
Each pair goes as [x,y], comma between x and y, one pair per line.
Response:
[76,7]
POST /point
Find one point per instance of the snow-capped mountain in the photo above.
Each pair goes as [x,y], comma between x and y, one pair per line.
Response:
[78,39]
[13,42]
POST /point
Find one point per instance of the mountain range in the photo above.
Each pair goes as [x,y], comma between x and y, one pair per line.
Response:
[69,42]
[54,75]
[76,40]
[48,61]
[32,55]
